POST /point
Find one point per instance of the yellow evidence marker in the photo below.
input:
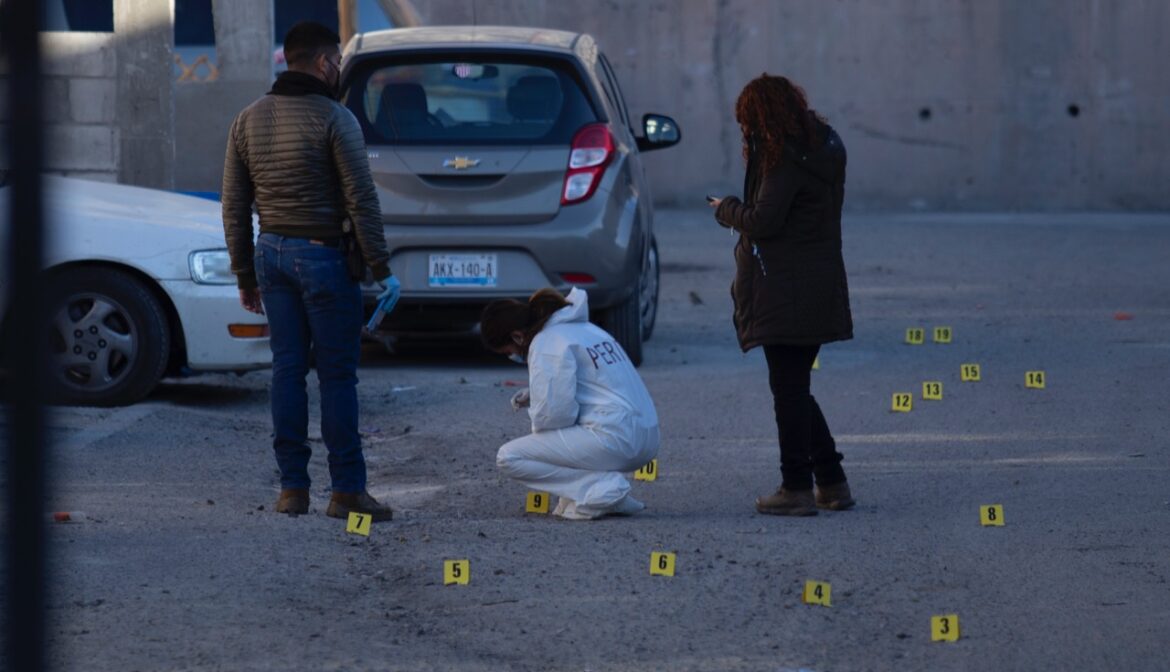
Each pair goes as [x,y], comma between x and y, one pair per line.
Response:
[816,592]
[915,336]
[903,402]
[537,502]
[456,571]
[932,390]
[1034,380]
[944,628]
[969,373]
[661,564]
[991,515]
[648,471]
[359,523]
[942,335]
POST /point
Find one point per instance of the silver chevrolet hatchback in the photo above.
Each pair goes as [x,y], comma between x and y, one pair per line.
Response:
[506,161]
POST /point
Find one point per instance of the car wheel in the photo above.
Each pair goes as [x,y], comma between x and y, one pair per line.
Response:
[108,338]
[651,278]
[624,323]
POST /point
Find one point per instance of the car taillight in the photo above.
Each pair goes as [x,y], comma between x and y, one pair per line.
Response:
[591,152]
[578,278]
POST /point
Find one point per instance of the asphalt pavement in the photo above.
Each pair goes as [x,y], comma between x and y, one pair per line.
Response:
[182,564]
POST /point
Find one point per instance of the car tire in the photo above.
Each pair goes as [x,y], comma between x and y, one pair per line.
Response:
[108,338]
[649,288]
[624,323]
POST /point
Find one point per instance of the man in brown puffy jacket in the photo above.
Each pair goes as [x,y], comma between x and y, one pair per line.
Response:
[299,155]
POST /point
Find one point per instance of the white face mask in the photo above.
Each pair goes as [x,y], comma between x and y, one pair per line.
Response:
[519,359]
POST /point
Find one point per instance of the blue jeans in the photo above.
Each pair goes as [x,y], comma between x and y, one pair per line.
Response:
[312,303]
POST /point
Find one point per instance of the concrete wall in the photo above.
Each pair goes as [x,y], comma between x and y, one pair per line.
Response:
[204,109]
[943,104]
[108,100]
[81,92]
[144,33]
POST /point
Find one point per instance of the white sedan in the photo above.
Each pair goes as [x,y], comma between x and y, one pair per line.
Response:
[140,288]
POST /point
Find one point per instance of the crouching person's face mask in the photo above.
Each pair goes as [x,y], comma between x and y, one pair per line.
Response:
[518,341]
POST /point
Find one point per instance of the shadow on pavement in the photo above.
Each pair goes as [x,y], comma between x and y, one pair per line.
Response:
[452,353]
[202,392]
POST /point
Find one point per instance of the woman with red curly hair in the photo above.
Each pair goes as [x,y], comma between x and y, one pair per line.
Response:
[790,291]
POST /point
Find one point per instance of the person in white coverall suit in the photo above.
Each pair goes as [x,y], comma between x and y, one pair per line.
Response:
[592,417]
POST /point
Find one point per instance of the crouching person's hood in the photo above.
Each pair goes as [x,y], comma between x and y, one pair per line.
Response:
[576,311]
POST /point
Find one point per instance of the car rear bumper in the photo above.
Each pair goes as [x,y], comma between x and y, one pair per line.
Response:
[205,312]
[438,319]
[600,238]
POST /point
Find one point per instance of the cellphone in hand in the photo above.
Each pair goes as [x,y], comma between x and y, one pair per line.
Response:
[711,199]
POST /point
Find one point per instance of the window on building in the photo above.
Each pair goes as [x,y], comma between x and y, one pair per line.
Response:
[195,58]
[87,16]
[194,23]
[289,12]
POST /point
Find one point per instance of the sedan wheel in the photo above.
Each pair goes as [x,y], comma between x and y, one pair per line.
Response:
[628,321]
[624,323]
[108,338]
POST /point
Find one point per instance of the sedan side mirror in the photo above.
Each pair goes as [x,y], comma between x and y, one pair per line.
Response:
[659,132]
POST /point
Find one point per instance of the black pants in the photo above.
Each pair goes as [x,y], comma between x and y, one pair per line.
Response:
[807,449]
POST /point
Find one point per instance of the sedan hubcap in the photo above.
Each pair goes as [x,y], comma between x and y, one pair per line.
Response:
[94,342]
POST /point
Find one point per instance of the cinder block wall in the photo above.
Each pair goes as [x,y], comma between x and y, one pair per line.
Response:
[80,91]
[108,97]
[943,104]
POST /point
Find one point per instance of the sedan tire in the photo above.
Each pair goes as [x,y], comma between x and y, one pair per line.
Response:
[109,338]
[624,323]
[649,286]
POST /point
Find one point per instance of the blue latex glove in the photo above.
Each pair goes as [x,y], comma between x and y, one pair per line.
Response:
[386,302]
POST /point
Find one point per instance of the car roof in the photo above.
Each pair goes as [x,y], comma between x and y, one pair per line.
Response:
[511,37]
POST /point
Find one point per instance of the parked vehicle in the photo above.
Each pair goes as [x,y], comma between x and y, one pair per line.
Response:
[140,287]
[505,162]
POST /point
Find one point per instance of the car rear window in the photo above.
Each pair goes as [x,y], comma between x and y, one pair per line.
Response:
[448,100]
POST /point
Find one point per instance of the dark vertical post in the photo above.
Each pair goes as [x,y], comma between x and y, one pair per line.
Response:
[25,548]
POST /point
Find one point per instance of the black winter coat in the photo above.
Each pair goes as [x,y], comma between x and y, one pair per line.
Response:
[790,285]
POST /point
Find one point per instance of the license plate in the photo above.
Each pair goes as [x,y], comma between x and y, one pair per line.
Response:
[463,270]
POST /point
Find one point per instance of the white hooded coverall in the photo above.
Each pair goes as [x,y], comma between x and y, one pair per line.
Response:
[592,417]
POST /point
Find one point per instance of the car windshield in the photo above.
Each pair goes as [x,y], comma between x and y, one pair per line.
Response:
[468,101]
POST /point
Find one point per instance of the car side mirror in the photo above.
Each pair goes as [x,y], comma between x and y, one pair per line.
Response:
[659,132]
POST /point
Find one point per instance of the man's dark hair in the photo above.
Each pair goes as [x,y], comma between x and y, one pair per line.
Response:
[305,41]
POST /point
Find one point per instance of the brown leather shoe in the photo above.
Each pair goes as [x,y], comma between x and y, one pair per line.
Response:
[787,503]
[341,504]
[294,501]
[835,497]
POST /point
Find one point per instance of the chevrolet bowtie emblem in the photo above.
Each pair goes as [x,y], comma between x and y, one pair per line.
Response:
[461,163]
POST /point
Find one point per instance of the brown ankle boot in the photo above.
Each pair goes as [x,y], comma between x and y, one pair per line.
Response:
[835,497]
[294,501]
[341,504]
[788,503]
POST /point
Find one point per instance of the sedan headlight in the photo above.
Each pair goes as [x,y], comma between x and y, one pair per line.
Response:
[212,267]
